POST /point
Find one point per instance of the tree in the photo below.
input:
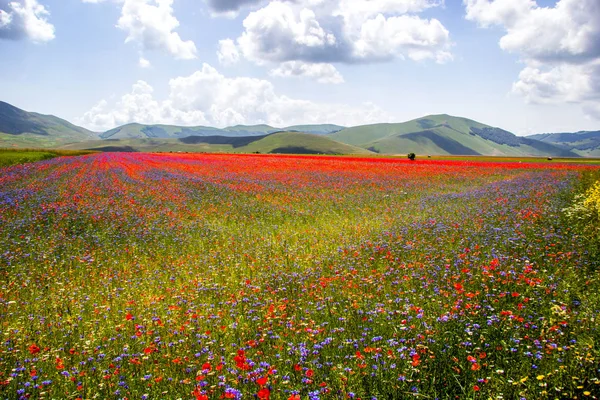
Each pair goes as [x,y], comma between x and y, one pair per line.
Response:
[412,156]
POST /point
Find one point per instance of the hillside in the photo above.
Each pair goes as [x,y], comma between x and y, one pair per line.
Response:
[434,134]
[28,129]
[445,135]
[324,129]
[584,143]
[275,143]
[141,131]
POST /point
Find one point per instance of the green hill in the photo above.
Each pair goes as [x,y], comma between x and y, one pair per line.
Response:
[275,143]
[302,143]
[584,143]
[445,135]
[324,129]
[140,131]
[434,134]
[28,129]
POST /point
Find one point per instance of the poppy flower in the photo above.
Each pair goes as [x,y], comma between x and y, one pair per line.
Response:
[34,349]
[264,394]
[262,381]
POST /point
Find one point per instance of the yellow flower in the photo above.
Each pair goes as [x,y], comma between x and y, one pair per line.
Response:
[540,377]
[592,199]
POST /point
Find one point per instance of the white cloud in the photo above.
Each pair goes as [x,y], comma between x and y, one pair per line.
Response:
[343,31]
[565,83]
[151,24]
[560,46]
[410,36]
[355,12]
[5,18]
[321,72]
[280,32]
[144,63]
[209,98]
[228,53]
[25,19]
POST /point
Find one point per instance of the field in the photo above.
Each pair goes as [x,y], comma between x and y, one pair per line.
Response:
[210,276]
[20,156]
[277,143]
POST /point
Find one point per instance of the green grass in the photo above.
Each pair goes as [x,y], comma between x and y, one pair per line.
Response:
[21,156]
[282,142]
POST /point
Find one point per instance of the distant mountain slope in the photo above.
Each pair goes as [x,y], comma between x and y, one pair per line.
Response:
[22,128]
[324,129]
[360,135]
[434,134]
[140,131]
[280,143]
[444,134]
[584,143]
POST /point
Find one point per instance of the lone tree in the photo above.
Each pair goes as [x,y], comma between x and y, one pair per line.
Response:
[412,156]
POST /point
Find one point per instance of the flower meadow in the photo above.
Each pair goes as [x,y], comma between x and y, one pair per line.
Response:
[196,276]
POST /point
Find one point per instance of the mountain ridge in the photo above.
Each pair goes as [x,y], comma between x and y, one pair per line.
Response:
[584,143]
[440,134]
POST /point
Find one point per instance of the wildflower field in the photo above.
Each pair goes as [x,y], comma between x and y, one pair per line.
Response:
[166,276]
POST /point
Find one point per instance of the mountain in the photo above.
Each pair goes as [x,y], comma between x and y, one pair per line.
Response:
[445,135]
[324,129]
[140,131]
[584,143]
[29,129]
[434,134]
[274,143]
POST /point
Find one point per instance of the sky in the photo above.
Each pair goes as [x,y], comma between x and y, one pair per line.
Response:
[527,66]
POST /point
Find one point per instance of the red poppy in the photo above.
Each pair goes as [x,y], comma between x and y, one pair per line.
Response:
[264,394]
[416,360]
[34,349]
[309,373]
[199,395]
[262,381]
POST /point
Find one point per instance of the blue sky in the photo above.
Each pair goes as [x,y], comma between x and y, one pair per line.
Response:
[522,65]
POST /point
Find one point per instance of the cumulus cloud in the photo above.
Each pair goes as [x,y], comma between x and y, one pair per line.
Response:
[342,31]
[322,73]
[144,63]
[228,53]
[207,97]
[560,46]
[364,31]
[151,23]
[25,19]
[279,32]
